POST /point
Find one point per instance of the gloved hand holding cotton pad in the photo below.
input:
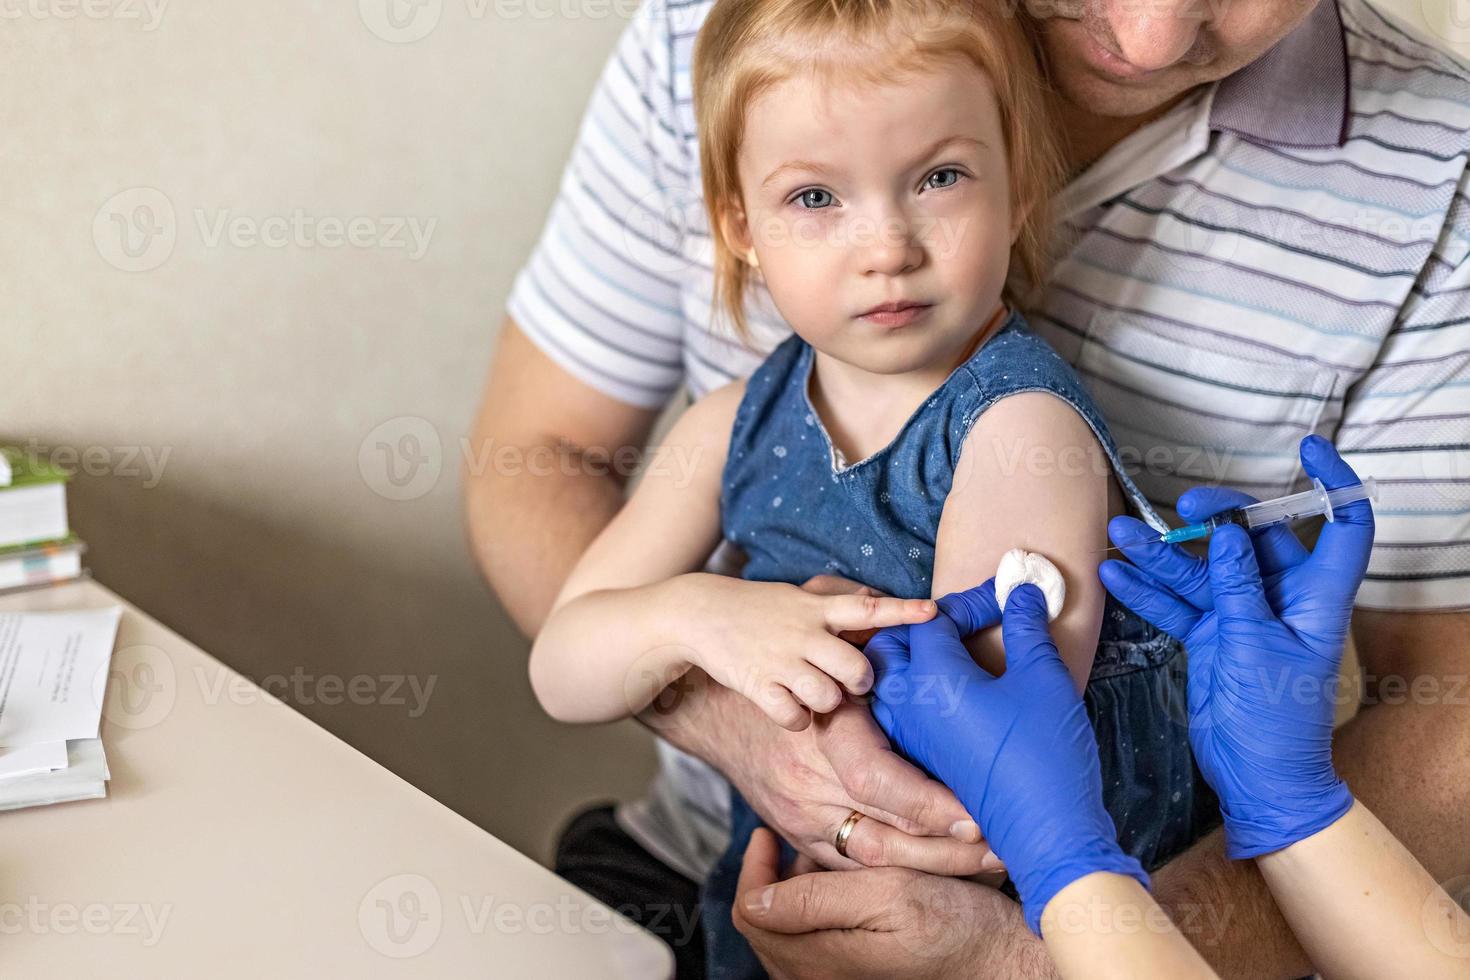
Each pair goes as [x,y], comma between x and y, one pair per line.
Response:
[1019,566]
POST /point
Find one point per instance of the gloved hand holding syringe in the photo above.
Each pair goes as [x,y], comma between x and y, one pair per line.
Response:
[1292,507]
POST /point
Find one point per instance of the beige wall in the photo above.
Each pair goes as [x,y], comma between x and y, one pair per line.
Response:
[233,393]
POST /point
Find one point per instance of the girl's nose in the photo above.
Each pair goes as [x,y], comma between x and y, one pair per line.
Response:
[895,248]
[1156,34]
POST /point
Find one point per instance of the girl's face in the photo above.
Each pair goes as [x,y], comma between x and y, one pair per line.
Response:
[860,197]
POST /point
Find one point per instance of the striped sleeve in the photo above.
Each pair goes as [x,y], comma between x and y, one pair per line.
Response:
[599,293]
[1407,422]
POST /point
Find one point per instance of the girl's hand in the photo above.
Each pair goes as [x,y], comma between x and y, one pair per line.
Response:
[779,645]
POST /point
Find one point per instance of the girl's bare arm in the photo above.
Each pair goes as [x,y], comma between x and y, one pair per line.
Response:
[636,613]
[612,626]
[1031,475]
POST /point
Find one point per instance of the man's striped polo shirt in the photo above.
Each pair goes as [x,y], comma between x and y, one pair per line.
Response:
[1283,253]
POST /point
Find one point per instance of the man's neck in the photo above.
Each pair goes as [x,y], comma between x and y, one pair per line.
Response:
[1087,136]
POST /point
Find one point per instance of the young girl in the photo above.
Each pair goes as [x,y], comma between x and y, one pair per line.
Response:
[876,164]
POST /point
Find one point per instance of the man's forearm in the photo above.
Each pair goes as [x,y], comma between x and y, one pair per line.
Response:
[1406,762]
[1407,758]
[1225,909]
[528,530]
[705,719]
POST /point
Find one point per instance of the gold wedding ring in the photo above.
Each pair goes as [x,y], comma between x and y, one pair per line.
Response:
[845,831]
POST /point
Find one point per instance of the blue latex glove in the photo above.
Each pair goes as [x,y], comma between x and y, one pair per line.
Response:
[1017,750]
[1264,627]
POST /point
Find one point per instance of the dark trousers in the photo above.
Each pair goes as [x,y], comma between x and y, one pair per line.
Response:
[599,857]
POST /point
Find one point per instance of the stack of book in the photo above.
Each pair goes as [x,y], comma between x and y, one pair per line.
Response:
[36,543]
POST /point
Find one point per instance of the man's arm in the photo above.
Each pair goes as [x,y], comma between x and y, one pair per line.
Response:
[539,481]
[1403,755]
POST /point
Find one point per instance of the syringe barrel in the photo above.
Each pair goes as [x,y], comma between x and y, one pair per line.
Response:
[1342,496]
[1308,503]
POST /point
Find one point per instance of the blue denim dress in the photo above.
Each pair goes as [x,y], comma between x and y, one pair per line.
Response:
[797,511]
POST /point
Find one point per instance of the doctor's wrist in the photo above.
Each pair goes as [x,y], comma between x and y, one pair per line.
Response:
[1259,827]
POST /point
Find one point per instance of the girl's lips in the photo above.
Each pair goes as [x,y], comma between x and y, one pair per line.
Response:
[897,318]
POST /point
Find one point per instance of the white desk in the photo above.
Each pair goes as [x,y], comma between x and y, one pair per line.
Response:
[241,840]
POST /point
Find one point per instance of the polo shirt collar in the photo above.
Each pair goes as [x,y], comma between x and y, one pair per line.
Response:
[1296,94]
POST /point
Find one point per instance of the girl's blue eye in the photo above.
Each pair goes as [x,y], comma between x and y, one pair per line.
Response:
[824,197]
[948,170]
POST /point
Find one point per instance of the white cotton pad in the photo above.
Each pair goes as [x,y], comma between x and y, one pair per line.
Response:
[1019,566]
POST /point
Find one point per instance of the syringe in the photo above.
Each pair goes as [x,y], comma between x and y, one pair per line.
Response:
[1292,507]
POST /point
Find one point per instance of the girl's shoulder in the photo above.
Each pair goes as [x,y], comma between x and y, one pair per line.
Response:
[713,414]
[701,435]
[778,368]
[1017,359]
[775,380]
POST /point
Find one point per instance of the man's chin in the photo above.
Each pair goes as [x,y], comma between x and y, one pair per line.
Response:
[1089,94]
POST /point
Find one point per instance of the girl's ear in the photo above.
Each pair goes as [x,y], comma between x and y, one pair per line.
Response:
[1020,211]
[736,230]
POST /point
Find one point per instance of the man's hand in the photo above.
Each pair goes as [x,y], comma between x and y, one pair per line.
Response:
[804,784]
[879,922]
[805,789]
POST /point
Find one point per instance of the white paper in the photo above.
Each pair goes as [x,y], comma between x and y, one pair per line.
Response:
[84,778]
[26,760]
[53,674]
